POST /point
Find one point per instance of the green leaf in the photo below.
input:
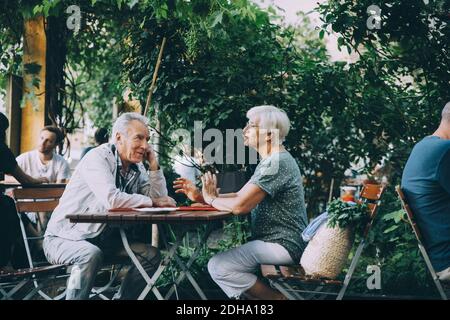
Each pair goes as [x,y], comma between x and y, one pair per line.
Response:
[397,256]
[38,9]
[47,7]
[395,215]
[218,19]
[251,14]
[349,49]
[132,3]
[390,229]
[321,34]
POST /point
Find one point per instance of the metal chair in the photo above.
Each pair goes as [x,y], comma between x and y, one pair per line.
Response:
[11,283]
[418,235]
[45,200]
[37,199]
[296,285]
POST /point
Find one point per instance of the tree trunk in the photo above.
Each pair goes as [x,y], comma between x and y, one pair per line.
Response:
[56,32]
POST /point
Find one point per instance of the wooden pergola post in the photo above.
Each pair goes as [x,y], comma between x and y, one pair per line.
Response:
[34,113]
[155,232]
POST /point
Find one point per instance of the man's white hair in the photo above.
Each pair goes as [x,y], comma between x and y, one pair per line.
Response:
[270,118]
[121,124]
[446,112]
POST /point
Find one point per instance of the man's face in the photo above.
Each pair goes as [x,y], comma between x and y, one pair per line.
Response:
[133,146]
[47,142]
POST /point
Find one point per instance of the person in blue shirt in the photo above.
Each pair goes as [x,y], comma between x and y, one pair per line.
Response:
[426,184]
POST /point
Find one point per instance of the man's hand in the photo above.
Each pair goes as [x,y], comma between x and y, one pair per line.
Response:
[150,156]
[42,180]
[164,202]
[39,180]
[186,186]
[24,178]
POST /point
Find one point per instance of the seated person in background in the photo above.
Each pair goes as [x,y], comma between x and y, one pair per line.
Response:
[101,136]
[426,184]
[12,250]
[44,162]
[274,196]
[109,176]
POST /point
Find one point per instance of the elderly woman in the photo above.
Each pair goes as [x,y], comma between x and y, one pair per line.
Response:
[274,196]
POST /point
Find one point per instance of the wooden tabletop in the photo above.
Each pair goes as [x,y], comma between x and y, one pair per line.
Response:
[153,217]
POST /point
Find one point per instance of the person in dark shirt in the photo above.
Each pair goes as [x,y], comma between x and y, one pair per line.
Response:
[426,184]
[8,163]
[101,136]
[12,249]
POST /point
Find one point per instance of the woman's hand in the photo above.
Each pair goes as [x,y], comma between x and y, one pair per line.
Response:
[209,189]
[186,186]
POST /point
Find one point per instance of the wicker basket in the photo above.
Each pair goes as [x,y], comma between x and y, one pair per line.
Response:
[327,252]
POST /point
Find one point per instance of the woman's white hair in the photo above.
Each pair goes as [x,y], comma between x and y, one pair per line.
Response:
[271,118]
[121,124]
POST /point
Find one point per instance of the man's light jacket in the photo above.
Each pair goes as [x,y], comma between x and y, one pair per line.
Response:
[92,189]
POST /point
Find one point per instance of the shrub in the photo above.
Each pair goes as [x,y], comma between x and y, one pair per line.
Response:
[348,214]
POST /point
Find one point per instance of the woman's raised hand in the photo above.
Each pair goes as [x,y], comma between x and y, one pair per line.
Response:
[209,189]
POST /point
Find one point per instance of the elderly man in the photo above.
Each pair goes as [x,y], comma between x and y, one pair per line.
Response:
[426,183]
[110,176]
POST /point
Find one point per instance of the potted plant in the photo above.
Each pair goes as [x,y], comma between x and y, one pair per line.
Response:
[327,252]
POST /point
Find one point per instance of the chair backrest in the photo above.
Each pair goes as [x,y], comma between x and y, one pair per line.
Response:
[37,199]
[371,195]
[409,213]
[372,192]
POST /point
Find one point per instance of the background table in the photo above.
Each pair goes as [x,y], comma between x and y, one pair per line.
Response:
[7,185]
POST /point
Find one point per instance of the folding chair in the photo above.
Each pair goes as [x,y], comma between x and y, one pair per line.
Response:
[37,200]
[296,285]
[46,200]
[12,282]
[418,235]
